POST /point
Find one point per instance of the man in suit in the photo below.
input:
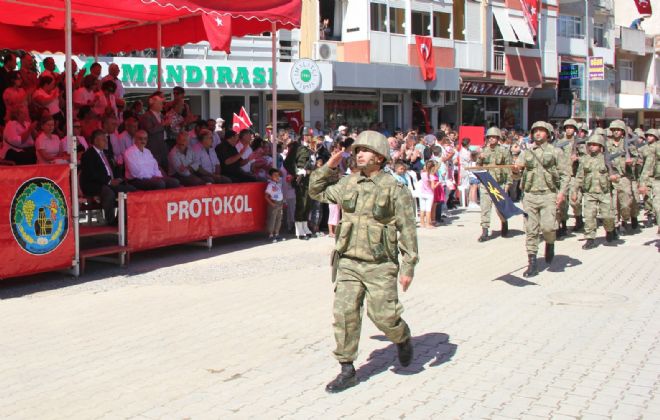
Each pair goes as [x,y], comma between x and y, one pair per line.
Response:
[97,176]
[154,123]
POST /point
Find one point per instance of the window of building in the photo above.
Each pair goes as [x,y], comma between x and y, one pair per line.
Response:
[570,26]
[421,23]
[378,17]
[397,20]
[599,39]
[441,25]
[458,11]
[625,70]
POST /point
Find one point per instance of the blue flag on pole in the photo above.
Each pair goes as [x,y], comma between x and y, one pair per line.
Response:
[500,199]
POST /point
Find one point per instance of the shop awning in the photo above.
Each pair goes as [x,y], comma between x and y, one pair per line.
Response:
[521,28]
[504,23]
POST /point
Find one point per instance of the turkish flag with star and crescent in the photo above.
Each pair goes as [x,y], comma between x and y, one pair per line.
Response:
[425,54]
[295,119]
[218,31]
[644,7]
[531,11]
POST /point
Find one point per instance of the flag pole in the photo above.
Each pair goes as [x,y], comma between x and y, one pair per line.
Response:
[273,34]
[586,61]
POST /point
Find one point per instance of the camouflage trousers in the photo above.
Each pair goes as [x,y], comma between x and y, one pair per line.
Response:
[541,219]
[597,204]
[655,188]
[378,283]
[486,205]
[626,204]
[562,210]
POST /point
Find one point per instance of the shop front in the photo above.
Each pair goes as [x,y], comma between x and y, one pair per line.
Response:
[486,104]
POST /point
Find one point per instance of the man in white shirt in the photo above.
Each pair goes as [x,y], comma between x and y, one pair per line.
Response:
[142,170]
[243,147]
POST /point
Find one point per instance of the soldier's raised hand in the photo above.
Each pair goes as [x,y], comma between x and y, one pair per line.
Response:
[336,158]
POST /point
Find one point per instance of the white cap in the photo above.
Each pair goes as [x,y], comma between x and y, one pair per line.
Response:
[342,128]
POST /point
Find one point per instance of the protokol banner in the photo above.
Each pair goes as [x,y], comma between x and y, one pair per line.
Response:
[168,217]
[36,233]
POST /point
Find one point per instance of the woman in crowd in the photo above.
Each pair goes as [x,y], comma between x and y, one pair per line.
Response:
[18,138]
[47,97]
[14,96]
[105,102]
[85,95]
[428,183]
[409,154]
[48,144]
[80,145]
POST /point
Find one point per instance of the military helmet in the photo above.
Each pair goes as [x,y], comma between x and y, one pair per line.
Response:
[583,127]
[375,142]
[540,124]
[639,132]
[494,132]
[653,132]
[608,132]
[618,124]
[600,131]
[596,139]
[571,122]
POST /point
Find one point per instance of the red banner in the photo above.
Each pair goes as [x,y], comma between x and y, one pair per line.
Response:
[476,134]
[425,54]
[530,10]
[36,232]
[644,7]
[168,217]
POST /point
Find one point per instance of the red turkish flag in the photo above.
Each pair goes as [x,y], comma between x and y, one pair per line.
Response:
[425,54]
[245,117]
[218,31]
[238,123]
[643,7]
[531,11]
[295,119]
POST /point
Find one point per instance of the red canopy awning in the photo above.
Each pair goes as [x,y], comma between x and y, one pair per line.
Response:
[125,25]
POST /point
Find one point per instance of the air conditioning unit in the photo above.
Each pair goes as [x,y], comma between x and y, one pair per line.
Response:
[451,97]
[326,51]
[435,98]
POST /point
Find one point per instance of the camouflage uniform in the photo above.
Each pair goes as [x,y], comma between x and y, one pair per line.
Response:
[377,222]
[651,177]
[593,178]
[626,201]
[295,165]
[567,151]
[497,155]
[645,152]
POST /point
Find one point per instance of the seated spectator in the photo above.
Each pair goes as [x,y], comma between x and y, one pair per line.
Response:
[231,161]
[243,146]
[208,166]
[89,122]
[142,169]
[194,134]
[212,126]
[263,161]
[48,96]
[109,127]
[183,162]
[125,139]
[14,96]
[85,95]
[48,145]
[81,143]
[97,179]
[18,138]
[8,66]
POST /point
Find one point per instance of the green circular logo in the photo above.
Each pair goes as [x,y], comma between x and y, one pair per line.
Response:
[306,75]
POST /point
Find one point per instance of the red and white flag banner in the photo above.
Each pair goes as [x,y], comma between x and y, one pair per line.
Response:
[644,7]
[425,54]
[531,11]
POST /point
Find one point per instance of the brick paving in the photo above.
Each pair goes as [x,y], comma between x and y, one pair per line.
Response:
[244,331]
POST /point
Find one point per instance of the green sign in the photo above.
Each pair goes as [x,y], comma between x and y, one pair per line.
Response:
[140,74]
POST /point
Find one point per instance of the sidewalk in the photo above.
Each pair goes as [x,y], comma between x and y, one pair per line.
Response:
[244,331]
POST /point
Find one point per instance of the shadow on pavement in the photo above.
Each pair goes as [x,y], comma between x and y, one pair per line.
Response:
[433,349]
[515,281]
[560,264]
[512,233]
[655,242]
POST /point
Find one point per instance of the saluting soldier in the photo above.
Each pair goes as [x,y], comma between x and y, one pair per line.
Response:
[545,183]
[377,223]
[626,201]
[572,153]
[649,183]
[594,179]
[493,154]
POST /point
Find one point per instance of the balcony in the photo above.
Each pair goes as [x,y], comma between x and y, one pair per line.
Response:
[632,41]
[249,48]
[630,87]
[603,6]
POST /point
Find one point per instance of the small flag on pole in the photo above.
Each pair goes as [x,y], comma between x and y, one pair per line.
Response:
[502,202]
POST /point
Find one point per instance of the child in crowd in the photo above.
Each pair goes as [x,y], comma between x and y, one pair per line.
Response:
[400,173]
[428,184]
[275,200]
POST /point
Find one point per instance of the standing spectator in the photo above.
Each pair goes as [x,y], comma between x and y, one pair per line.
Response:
[428,184]
[179,98]
[177,125]
[142,169]
[48,144]
[18,138]
[8,66]
[154,124]
[47,97]
[50,69]
[206,160]
[95,70]
[275,200]
[318,130]
[325,31]
[183,162]
[113,75]
[231,161]
[105,102]
[28,73]
[85,95]
[15,95]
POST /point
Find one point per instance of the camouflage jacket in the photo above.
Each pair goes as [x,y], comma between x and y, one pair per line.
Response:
[567,152]
[651,168]
[497,156]
[619,163]
[545,169]
[593,175]
[378,217]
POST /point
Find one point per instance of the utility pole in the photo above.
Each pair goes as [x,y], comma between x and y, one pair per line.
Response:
[586,60]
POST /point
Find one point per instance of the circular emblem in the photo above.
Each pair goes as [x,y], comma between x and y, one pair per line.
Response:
[39,216]
[305,76]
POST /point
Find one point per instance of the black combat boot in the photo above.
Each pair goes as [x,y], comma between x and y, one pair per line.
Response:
[346,379]
[561,232]
[505,229]
[634,223]
[609,236]
[405,351]
[549,252]
[579,224]
[484,235]
[626,227]
[590,244]
[532,269]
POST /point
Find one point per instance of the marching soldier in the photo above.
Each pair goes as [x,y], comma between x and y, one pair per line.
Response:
[377,222]
[626,201]
[572,153]
[493,154]
[545,182]
[649,183]
[594,179]
[583,130]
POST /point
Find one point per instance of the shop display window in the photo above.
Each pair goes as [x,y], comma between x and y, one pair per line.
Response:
[355,114]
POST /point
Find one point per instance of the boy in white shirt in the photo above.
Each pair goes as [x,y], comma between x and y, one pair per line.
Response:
[275,200]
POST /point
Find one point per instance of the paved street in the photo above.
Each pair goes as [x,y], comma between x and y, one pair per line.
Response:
[244,331]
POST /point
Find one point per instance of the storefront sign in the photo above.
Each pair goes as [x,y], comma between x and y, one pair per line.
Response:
[494,89]
[596,68]
[161,218]
[35,219]
[305,76]
[569,72]
[142,73]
